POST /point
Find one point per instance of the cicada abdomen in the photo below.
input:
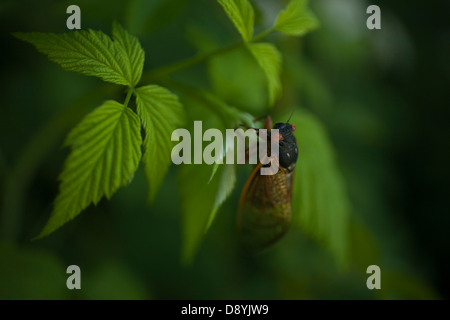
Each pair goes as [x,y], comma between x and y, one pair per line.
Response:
[265,205]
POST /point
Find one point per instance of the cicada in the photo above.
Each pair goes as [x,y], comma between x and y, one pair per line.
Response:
[264,213]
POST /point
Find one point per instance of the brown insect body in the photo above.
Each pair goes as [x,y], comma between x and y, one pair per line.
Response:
[265,205]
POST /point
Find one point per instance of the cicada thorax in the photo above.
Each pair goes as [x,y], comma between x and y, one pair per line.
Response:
[265,206]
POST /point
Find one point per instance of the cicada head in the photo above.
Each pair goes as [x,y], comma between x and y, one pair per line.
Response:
[288,152]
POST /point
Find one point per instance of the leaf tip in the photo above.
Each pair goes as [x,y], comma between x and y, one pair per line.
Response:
[116,26]
[24,36]
[47,230]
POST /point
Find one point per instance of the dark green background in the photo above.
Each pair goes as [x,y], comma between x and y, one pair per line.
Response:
[382,95]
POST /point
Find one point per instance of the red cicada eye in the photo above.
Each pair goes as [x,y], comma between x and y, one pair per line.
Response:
[293,127]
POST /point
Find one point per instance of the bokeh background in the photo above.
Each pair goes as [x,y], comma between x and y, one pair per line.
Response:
[381,95]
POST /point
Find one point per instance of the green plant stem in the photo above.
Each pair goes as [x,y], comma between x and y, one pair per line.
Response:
[225,112]
[262,35]
[129,94]
[189,62]
[206,98]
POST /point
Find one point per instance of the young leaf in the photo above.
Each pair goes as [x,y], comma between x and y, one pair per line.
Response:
[106,148]
[242,15]
[93,53]
[296,19]
[320,200]
[161,114]
[269,58]
[130,46]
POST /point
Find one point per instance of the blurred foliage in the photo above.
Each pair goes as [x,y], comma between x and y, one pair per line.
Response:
[320,195]
[36,274]
[365,142]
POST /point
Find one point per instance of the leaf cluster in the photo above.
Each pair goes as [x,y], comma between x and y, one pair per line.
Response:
[106,145]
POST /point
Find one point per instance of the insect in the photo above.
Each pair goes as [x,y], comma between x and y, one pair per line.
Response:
[264,213]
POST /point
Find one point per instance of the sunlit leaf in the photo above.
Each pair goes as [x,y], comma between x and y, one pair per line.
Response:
[93,53]
[242,15]
[106,149]
[296,19]
[131,50]
[161,114]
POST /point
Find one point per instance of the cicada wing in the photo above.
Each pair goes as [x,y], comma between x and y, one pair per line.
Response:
[265,209]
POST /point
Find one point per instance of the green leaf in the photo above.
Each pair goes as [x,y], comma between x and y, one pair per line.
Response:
[242,15]
[214,171]
[320,199]
[202,195]
[200,201]
[296,19]
[132,51]
[249,90]
[246,92]
[106,149]
[93,53]
[161,114]
[269,58]
[226,186]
